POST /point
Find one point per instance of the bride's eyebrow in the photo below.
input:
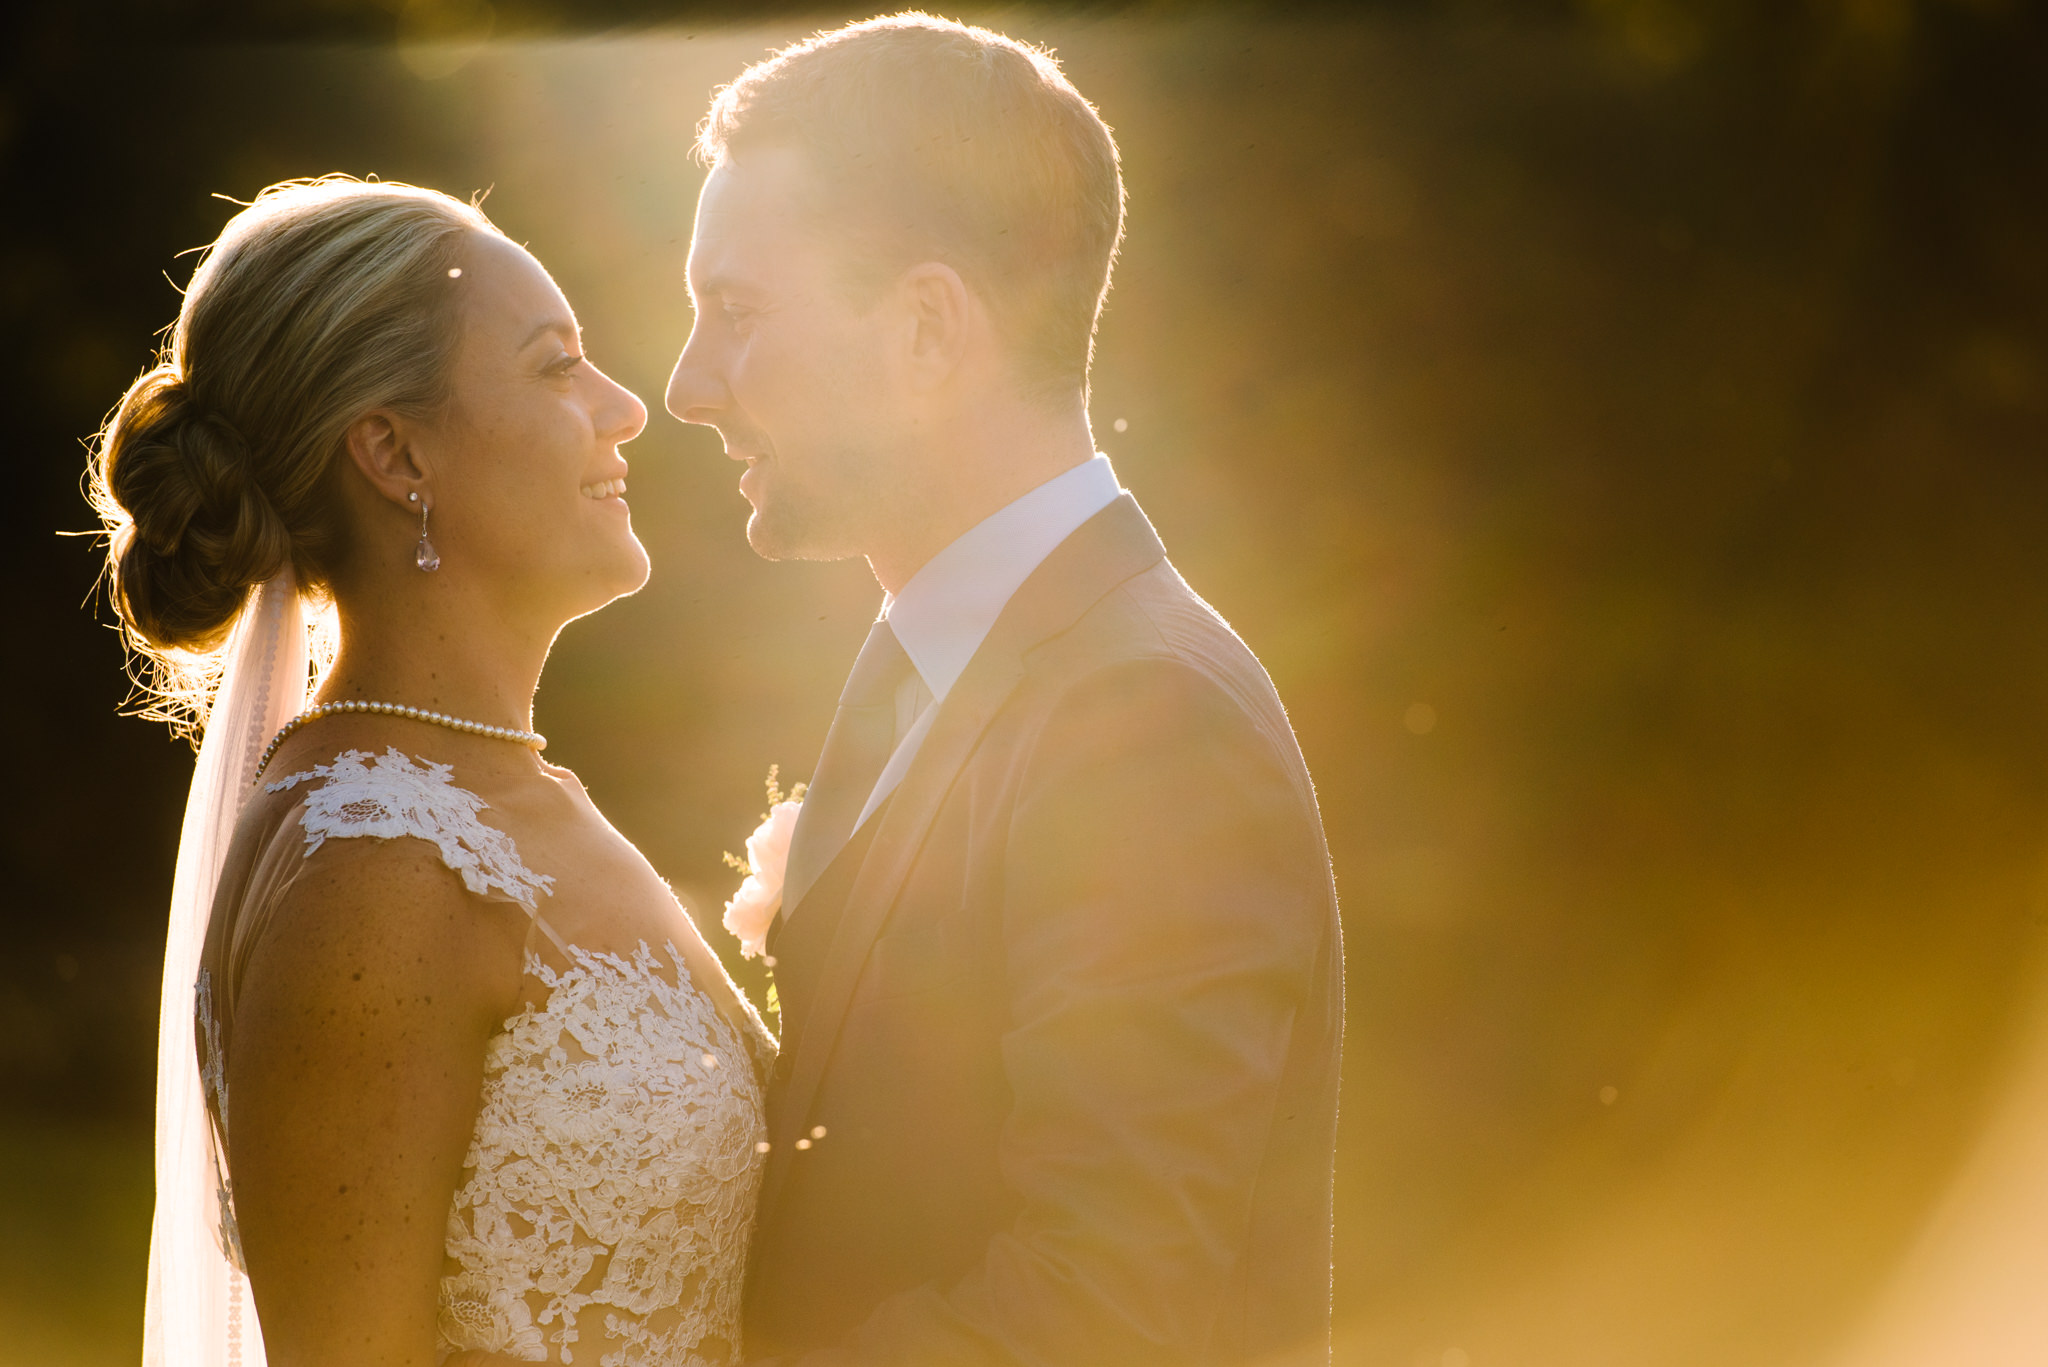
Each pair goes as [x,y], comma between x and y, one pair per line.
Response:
[556,325]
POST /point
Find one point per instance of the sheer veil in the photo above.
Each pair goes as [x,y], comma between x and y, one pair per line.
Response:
[199,1313]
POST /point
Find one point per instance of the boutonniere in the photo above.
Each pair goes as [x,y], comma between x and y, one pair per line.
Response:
[752,909]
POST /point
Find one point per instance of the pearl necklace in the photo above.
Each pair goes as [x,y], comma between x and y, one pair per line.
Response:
[533,740]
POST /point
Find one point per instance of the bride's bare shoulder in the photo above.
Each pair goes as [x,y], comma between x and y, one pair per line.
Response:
[398,892]
[394,874]
[382,921]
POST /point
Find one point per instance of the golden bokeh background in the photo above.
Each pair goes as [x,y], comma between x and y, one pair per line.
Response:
[1618,426]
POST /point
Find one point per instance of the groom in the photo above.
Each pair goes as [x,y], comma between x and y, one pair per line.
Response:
[1058,956]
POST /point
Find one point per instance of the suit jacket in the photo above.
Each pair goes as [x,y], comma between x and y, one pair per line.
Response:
[1062,1019]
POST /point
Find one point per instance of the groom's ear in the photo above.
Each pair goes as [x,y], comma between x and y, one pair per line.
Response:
[379,447]
[942,317]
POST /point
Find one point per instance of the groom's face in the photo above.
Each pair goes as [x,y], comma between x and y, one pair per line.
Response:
[791,365]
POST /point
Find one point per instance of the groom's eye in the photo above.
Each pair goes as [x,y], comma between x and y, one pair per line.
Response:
[564,365]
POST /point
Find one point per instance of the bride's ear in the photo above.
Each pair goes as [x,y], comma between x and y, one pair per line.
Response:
[380,448]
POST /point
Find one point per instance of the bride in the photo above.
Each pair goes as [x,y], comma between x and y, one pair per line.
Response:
[444,1069]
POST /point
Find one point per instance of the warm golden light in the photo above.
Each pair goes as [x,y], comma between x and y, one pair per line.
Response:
[1617,433]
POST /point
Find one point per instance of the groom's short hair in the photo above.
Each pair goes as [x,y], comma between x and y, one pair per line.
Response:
[939,141]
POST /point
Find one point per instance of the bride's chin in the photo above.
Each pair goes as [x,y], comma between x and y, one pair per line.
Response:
[632,571]
[606,572]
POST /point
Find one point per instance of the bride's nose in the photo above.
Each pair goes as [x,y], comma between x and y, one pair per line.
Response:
[621,416]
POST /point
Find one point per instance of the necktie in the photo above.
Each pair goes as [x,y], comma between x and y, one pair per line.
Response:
[856,750]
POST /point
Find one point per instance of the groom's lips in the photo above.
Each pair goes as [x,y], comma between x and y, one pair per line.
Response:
[748,475]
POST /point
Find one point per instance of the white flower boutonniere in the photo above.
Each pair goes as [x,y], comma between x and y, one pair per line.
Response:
[752,909]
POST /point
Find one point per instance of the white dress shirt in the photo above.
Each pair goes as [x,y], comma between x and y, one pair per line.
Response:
[946,610]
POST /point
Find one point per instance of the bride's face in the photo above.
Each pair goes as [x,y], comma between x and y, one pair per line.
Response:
[524,470]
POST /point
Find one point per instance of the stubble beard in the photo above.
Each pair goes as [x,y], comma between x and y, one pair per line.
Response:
[854,505]
[776,532]
[795,521]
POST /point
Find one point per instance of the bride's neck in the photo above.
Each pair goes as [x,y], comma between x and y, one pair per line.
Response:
[465,663]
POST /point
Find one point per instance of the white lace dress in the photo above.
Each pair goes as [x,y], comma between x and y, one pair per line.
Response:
[608,1192]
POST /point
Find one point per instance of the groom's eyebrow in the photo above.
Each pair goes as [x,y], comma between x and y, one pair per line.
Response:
[705,285]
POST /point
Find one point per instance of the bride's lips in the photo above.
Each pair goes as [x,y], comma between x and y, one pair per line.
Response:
[606,491]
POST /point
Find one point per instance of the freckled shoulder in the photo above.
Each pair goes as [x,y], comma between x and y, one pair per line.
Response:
[385,918]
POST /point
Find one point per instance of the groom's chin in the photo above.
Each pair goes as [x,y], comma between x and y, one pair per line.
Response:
[772,537]
[775,535]
[761,536]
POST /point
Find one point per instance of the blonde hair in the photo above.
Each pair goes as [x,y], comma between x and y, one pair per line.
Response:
[937,140]
[320,301]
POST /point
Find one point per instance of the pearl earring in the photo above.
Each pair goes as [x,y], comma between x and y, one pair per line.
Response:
[424,555]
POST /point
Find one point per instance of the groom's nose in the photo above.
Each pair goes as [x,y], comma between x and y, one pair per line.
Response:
[695,393]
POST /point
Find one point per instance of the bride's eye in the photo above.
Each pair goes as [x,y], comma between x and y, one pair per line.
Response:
[564,365]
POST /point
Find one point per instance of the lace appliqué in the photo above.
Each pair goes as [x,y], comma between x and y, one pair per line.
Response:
[213,1083]
[609,1191]
[393,795]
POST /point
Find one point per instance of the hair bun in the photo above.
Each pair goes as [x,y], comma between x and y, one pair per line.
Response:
[199,530]
[322,301]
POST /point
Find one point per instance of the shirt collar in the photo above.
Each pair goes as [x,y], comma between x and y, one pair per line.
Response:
[948,607]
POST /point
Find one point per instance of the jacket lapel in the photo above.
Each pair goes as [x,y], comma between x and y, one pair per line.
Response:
[1111,547]
[799,950]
